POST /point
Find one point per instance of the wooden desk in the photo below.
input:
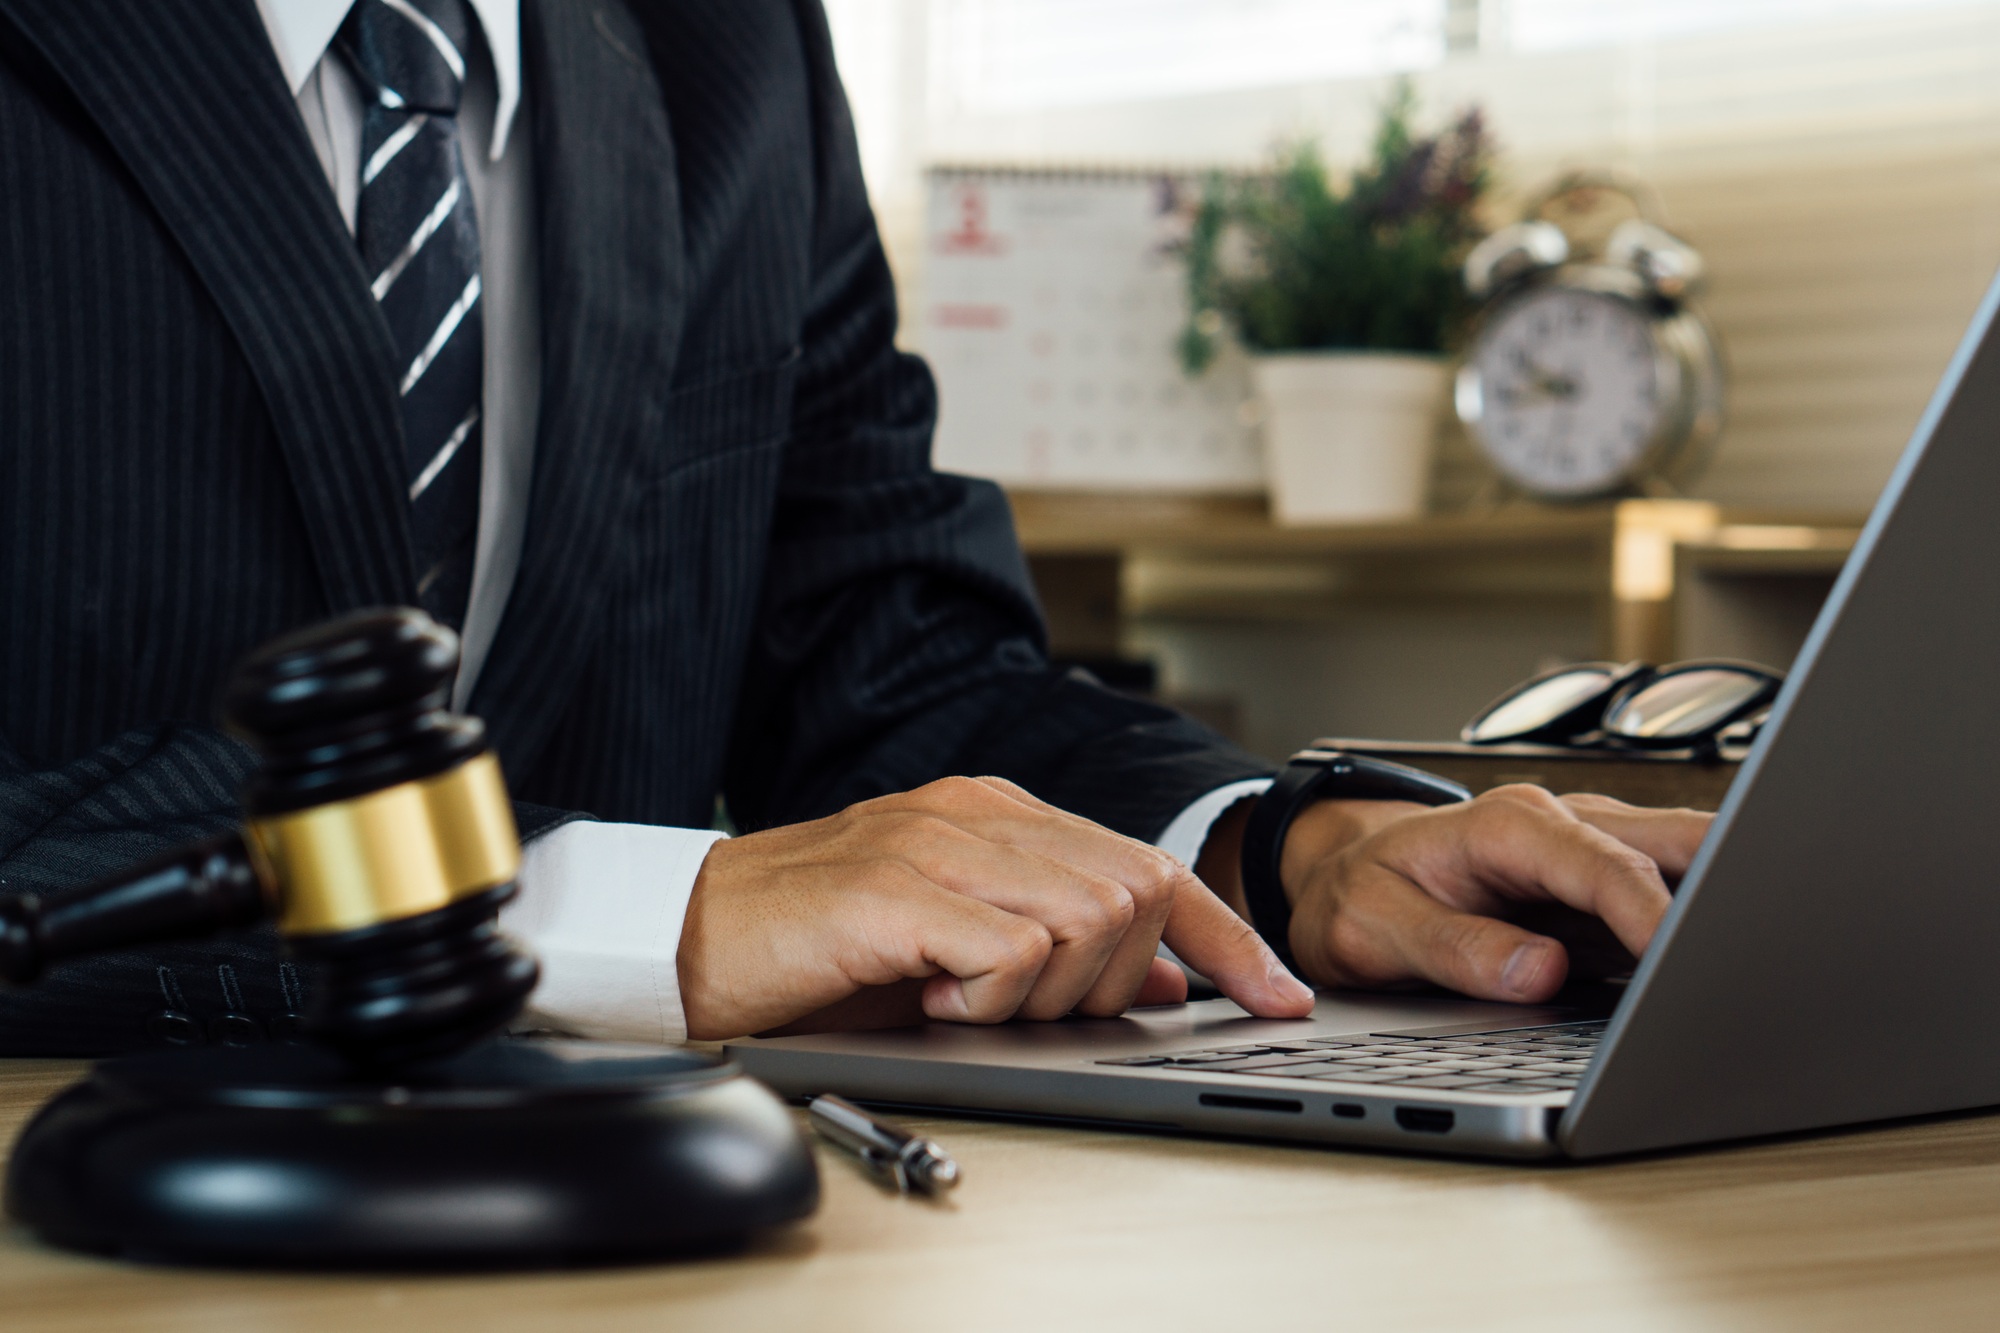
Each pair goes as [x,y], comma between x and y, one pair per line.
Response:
[1895,1228]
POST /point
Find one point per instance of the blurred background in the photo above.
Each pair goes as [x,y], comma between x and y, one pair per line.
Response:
[1037,165]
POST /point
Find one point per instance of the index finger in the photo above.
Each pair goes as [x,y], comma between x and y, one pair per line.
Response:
[1204,932]
[1525,843]
[1670,837]
[1214,941]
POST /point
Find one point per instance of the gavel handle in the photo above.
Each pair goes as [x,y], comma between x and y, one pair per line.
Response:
[196,890]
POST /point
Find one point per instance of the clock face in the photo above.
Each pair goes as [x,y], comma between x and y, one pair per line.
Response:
[1564,393]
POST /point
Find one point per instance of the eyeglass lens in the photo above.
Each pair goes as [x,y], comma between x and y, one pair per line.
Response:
[1683,703]
[1540,704]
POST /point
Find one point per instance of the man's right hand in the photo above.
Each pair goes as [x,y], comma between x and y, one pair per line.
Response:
[996,904]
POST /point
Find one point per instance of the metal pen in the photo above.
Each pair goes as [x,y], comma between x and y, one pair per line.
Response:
[896,1155]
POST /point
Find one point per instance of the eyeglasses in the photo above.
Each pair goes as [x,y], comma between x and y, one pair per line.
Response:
[1702,705]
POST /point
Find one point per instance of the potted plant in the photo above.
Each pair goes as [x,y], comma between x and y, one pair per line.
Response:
[1347,302]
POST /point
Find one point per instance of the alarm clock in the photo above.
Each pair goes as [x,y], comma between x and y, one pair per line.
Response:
[1589,373]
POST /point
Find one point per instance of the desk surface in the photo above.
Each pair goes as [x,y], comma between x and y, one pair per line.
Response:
[1072,1229]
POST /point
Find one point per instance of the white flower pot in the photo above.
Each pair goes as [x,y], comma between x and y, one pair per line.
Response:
[1348,435]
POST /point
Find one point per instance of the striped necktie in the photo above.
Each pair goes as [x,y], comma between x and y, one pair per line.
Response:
[419,242]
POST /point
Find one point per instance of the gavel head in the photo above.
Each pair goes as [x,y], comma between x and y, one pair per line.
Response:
[379,820]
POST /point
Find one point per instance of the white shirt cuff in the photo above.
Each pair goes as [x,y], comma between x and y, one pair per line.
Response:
[1184,837]
[602,906]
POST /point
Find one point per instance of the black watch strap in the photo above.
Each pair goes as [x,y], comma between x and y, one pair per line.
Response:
[1318,775]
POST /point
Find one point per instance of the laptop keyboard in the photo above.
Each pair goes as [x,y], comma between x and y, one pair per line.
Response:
[1541,1059]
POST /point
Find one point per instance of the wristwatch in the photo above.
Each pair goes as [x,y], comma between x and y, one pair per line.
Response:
[1309,776]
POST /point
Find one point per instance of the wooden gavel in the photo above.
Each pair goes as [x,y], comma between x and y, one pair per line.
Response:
[378,834]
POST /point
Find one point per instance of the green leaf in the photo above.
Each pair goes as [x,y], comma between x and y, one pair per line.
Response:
[1374,266]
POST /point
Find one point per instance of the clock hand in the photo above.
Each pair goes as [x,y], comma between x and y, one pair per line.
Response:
[1546,384]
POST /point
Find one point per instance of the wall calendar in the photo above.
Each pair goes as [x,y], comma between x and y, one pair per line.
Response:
[1053,302]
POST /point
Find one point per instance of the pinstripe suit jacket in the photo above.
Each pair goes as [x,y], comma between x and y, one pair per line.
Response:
[740,578]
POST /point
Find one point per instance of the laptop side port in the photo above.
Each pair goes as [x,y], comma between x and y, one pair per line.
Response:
[1426,1119]
[1234,1102]
[1349,1110]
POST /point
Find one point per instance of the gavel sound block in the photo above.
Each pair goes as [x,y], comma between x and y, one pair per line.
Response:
[379,836]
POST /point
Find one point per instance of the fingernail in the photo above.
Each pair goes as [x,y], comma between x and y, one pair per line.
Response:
[1522,968]
[1286,985]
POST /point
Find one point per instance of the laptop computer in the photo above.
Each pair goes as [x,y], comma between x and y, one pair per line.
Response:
[1832,956]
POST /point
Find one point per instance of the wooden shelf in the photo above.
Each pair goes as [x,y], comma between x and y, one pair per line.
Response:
[1082,523]
[1222,557]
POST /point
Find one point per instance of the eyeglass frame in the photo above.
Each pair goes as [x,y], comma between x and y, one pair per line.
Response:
[1626,681]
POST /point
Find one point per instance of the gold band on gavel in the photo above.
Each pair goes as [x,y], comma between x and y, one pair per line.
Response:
[394,853]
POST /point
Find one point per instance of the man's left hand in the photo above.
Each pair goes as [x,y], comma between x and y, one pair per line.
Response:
[1387,893]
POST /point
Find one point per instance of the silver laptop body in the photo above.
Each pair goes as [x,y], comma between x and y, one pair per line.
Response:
[1832,957]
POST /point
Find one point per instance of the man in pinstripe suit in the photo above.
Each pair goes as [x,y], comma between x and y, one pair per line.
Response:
[567,320]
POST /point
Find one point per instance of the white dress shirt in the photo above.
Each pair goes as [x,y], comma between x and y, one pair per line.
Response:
[602,905]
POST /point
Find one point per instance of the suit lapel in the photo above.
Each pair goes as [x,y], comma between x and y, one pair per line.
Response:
[612,295]
[191,98]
